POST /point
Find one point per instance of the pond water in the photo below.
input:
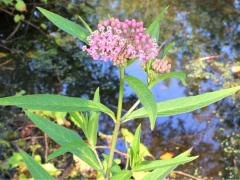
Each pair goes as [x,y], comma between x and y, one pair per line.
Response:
[54,64]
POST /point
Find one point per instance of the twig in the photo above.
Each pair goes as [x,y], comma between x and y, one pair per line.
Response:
[46,146]
[187,175]
[116,151]
[26,21]
[209,58]
[27,138]
[6,62]
[14,31]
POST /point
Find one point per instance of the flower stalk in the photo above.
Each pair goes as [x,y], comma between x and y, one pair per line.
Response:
[117,124]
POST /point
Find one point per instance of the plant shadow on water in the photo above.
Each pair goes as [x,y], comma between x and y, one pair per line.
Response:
[56,65]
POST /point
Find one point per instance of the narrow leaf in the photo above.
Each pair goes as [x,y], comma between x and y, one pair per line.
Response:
[66,25]
[154,29]
[145,96]
[93,121]
[161,173]
[56,103]
[168,48]
[85,24]
[64,136]
[151,165]
[178,75]
[135,157]
[35,169]
[185,104]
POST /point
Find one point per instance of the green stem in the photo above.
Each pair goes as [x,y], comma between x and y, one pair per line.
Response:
[131,109]
[117,124]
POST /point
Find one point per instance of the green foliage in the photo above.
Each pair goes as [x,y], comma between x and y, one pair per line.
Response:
[36,170]
[54,103]
[66,25]
[154,29]
[89,124]
[135,156]
[178,75]
[185,104]
[122,175]
[64,137]
[145,96]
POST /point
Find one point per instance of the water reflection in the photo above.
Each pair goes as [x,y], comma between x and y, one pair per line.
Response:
[200,28]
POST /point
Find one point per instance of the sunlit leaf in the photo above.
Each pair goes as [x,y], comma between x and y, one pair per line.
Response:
[185,104]
[36,169]
[151,165]
[145,96]
[161,173]
[20,6]
[135,156]
[64,137]
[56,103]
[66,25]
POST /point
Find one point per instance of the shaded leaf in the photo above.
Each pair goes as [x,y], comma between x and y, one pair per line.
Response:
[178,75]
[122,175]
[154,29]
[66,25]
[36,169]
[64,136]
[145,96]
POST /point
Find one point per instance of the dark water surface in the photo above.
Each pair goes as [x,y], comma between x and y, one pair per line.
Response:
[48,64]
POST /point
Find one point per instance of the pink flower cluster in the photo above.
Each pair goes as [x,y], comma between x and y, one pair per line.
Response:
[161,66]
[119,41]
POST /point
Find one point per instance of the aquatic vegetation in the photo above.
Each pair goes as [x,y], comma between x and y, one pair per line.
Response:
[85,113]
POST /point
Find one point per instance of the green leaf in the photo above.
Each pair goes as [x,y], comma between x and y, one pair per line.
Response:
[56,103]
[185,104]
[122,175]
[151,165]
[66,25]
[93,121]
[85,24]
[64,136]
[168,48]
[135,157]
[36,169]
[178,75]
[64,149]
[145,96]
[161,173]
[154,29]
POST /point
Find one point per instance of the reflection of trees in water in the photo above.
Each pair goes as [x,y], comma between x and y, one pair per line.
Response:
[55,64]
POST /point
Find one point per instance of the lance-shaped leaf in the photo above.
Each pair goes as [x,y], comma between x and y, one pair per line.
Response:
[145,96]
[154,29]
[185,104]
[66,25]
[35,169]
[151,165]
[56,103]
[93,121]
[161,173]
[135,156]
[178,75]
[64,137]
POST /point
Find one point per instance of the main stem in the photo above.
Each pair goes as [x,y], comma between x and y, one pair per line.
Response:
[117,124]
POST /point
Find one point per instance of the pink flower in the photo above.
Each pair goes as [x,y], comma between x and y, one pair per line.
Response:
[120,41]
